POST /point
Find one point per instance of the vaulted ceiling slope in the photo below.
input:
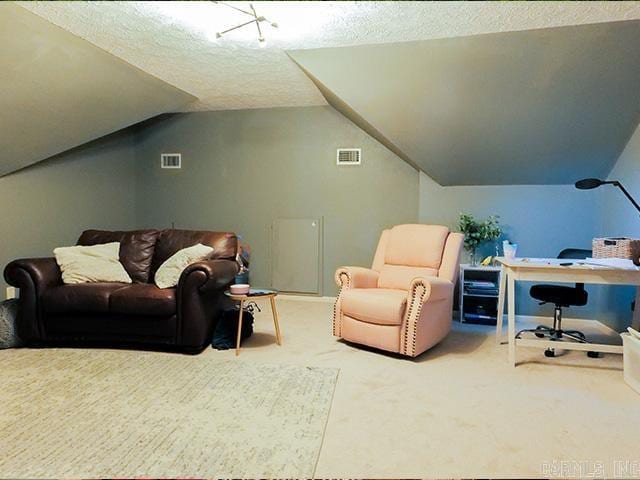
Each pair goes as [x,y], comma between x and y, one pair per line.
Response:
[532,107]
[59,91]
[175,41]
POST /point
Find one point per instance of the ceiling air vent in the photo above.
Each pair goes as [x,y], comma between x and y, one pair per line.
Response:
[349,156]
[171,160]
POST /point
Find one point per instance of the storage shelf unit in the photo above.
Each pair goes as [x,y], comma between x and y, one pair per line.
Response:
[479,294]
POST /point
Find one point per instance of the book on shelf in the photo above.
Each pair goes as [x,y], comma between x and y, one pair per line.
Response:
[480,284]
[479,316]
[490,292]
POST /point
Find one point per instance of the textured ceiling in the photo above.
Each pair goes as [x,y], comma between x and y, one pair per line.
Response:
[545,106]
[172,40]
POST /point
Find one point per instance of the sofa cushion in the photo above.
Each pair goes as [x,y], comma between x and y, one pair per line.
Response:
[136,249]
[225,245]
[144,299]
[375,305]
[82,297]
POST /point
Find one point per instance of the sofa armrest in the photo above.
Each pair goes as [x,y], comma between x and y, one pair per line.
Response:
[200,298]
[430,289]
[356,277]
[209,274]
[32,276]
[41,273]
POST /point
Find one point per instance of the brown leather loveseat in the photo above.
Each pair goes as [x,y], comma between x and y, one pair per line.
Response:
[181,318]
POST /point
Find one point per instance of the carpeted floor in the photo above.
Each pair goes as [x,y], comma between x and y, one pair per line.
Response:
[457,411]
[108,414]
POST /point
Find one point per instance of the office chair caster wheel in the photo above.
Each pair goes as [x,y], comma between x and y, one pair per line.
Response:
[539,335]
[593,354]
[550,352]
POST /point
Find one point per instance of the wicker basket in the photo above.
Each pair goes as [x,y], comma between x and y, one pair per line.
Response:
[616,248]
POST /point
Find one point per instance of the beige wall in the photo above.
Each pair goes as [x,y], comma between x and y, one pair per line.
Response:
[618,218]
[541,219]
[509,108]
[49,204]
[60,91]
[243,169]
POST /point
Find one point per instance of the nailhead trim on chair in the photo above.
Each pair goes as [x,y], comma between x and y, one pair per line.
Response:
[419,290]
[343,280]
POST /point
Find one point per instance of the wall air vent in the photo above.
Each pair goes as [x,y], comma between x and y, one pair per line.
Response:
[171,160]
[349,156]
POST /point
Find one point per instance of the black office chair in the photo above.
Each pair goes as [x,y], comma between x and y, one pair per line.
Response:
[561,296]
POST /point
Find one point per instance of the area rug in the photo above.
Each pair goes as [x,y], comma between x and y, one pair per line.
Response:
[106,414]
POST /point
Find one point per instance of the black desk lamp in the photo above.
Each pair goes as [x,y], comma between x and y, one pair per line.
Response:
[589,183]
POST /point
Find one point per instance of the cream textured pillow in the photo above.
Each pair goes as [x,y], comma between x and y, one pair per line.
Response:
[168,275]
[95,263]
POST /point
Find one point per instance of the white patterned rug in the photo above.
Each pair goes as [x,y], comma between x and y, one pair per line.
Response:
[105,414]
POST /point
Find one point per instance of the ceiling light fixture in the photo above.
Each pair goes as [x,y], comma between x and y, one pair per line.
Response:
[255,18]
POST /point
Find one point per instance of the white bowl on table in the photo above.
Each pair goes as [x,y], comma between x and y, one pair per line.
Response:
[240,289]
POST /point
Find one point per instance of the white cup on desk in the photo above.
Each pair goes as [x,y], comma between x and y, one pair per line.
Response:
[509,249]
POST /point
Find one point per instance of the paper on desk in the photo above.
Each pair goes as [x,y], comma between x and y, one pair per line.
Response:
[547,261]
[611,262]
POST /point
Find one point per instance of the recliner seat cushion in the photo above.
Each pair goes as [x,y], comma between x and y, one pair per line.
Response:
[136,249]
[143,299]
[375,305]
[82,297]
[399,277]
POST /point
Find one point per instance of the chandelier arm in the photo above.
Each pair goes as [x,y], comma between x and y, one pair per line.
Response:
[257,22]
[237,26]
[236,8]
[254,19]
[259,30]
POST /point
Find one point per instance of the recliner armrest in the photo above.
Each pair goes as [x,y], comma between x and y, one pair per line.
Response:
[210,274]
[432,288]
[43,272]
[356,277]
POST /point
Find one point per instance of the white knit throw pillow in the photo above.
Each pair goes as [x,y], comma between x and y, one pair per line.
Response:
[168,275]
[94,263]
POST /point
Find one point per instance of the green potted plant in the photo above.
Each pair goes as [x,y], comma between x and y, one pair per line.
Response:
[478,232]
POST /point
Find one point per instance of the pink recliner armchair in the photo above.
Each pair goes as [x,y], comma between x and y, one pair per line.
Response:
[404,302]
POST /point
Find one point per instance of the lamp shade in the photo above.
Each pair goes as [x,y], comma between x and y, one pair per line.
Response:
[588,183]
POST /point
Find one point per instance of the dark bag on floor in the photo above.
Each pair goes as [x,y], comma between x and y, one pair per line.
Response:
[225,334]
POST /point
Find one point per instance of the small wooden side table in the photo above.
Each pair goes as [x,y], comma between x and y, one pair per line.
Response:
[271,295]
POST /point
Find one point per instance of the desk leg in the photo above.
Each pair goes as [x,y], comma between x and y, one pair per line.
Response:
[501,294]
[275,320]
[511,328]
[239,328]
[635,322]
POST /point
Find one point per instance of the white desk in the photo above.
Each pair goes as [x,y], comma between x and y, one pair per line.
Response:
[549,270]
